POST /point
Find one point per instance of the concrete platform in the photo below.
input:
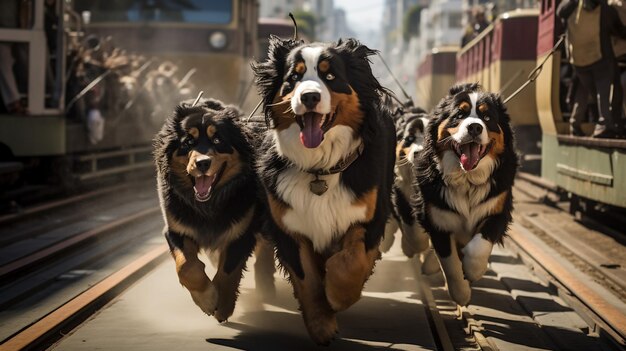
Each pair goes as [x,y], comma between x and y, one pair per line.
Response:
[158,314]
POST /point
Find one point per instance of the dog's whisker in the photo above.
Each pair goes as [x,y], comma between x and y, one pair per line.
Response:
[283,102]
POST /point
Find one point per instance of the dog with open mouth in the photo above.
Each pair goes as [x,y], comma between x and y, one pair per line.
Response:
[465,176]
[208,193]
[327,170]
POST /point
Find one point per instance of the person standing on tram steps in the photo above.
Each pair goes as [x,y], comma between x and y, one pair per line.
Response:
[590,25]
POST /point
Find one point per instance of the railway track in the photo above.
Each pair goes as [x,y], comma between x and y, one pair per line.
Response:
[55,204]
[46,265]
[99,267]
[576,257]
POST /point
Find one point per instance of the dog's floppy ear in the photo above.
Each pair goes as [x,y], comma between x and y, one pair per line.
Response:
[269,72]
[356,57]
[469,87]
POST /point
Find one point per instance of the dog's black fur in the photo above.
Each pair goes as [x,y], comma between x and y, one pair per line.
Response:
[227,220]
[371,172]
[441,185]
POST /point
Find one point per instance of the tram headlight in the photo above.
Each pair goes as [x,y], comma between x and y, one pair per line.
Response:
[218,40]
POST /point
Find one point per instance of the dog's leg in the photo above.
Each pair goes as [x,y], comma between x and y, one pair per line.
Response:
[430,264]
[414,239]
[390,230]
[264,268]
[348,269]
[305,275]
[191,271]
[476,253]
[458,287]
[476,257]
[232,262]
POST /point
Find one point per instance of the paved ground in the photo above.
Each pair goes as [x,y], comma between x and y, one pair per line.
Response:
[158,314]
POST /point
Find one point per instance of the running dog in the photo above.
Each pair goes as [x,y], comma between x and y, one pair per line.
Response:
[465,176]
[327,170]
[410,129]
[207,188]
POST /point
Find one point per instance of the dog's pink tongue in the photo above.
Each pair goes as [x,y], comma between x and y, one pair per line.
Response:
[470,156]
[203,184]
[311,135]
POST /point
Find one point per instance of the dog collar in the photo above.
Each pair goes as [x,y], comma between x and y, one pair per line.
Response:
[318,186]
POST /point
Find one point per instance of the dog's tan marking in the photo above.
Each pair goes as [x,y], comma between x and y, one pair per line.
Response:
[233,165]
[282,115]
[348,269]
[324,66]
[483,107]
[401,151]
[178,167]
[179,227]
[369,201]
[191,275]
[465,106]
[499,205]
[442,131]
[211,130]
[300,68]
[498,143]
[191,168]
[348,109]
[227,285]
[319,317]
[194,132]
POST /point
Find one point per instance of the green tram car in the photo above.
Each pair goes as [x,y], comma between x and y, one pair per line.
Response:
[592,170]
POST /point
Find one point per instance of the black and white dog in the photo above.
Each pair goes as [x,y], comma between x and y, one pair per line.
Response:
[465,176]
[327,169]
[410,130]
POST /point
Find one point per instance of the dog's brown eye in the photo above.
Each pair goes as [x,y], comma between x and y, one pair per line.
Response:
[216,140]
[294,76]
[330,76]
[464,106]
[487,118]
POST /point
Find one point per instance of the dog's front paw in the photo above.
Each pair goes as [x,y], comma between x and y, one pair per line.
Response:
[322,328]
[476,257]
[206,299]
[430,264]
[414,238]
[460,291]
[474,268]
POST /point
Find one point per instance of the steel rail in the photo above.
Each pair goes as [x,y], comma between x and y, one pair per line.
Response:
[37,209]
[24,263]
[614,320]
[49,329]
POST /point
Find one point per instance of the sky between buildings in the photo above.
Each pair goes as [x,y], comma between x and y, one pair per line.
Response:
[364,16]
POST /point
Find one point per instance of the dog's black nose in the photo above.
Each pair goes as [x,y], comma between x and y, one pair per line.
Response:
[474,129]
[310,100]
[203,165]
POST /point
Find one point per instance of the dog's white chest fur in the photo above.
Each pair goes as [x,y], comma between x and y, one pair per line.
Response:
[319,218]
[466,193]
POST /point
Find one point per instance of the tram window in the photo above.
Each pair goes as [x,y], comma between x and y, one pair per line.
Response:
[189,11]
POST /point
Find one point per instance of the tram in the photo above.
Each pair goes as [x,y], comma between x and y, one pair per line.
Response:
[593,171]
[157,54]
[435,75]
